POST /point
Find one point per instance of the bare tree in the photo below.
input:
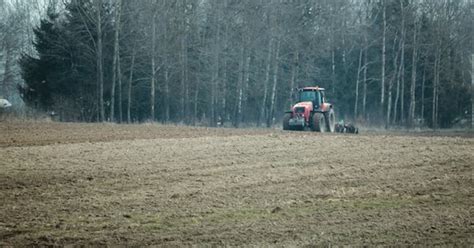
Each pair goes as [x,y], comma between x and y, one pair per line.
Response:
[359,69]
[472,91]
[130,81]
[154,68]
[401,72]
[100,59]
[382,77]
[274,87]
[184,60]
[436,68]
[116,64]
[390,83]
[216,66]
[411,115]
[262,113]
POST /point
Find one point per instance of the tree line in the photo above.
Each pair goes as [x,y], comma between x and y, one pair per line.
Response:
[236,62]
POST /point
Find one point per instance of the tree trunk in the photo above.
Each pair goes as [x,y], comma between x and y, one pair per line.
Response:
[344,52]
[119,66]
[434,111]
[411,115]
[422,114]
[186,91]
[130,80]
[402,92]
[114,74]
[215,74]
[223,111]
[357,85]
[397,95]
[294,75]
[390,87]
[100,61]
[183,80]
[333,72]
[7,73]
[153,68]
[364,91]
[196,99]
[274,88]
[166,103]
[389,101]
[240,87]
[184,55]
[472,91]
[167,93]
[382,83]
[399,80]
[119,76]
[245,86]
[115,69]
[402,66]
[332,24]
[263,108]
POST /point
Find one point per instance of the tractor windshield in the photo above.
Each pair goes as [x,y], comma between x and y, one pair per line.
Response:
[310,96]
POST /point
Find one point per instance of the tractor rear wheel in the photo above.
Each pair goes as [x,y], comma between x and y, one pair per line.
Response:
[317,123]
[330,118]
[286,122]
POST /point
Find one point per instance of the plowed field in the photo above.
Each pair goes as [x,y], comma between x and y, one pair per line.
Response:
[138,185]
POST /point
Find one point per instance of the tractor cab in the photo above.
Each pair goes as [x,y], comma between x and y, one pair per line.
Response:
[315,95]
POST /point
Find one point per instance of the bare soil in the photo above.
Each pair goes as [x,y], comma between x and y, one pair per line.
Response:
[138,185]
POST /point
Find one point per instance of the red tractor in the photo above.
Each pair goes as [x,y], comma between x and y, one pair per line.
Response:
[310,111]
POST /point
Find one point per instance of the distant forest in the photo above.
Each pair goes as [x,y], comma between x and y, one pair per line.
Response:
[238,62]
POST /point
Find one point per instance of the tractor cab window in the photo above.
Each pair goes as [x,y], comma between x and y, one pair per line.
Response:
[310,96]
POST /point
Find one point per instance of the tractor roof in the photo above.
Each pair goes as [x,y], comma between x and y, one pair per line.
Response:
[312,88]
